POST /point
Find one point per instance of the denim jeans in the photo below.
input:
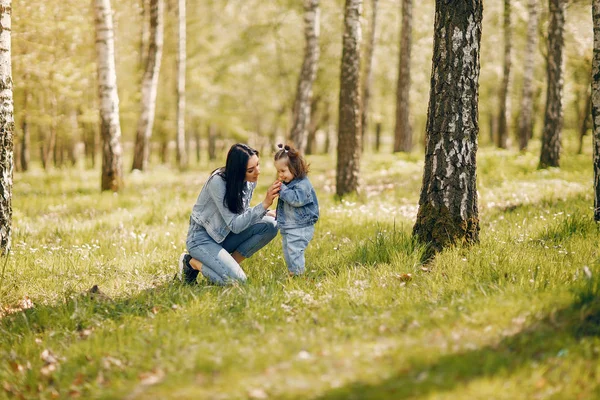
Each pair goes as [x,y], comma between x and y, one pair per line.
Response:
[218,266]
[294,243]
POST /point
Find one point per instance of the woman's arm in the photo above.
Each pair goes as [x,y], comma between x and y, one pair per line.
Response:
[235,222]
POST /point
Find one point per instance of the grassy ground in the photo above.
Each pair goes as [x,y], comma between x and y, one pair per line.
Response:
[515,317]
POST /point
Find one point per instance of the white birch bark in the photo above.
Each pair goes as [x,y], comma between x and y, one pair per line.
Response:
[110,128]
[7,125]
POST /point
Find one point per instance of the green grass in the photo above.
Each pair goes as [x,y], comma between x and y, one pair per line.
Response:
[516,316]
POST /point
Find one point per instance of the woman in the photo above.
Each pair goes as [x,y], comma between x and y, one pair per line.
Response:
[224,230]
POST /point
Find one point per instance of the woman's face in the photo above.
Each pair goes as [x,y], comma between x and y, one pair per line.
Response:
[252,169]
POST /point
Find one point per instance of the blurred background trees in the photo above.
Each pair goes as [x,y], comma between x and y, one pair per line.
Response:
[243,67]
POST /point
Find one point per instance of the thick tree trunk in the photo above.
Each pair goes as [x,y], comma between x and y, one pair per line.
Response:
[368,76]
[448,212]
[596,106]
[553,116]
[403,130]
[348,148]
[181,156]
[526,113]
[110,128]
[7,126]
[307,75]
[504,109]
[141,153]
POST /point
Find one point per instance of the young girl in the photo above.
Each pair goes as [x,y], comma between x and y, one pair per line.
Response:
[297,208]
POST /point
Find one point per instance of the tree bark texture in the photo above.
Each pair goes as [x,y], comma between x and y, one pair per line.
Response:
[403,130]
[308,74]
[110,128]
[526,113]
[553,115]
[596,106]
[141,153]
[448,212]
[7,125]
[504,107]
[348,148]
[368,75]
[181,155]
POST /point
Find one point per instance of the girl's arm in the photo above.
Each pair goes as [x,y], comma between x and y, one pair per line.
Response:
[235,222]
[297,196]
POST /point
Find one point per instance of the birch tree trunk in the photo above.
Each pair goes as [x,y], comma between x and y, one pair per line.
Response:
[403,130]
[348,148]
[141,153]
[596,106]
[503,114]
[7,125]
[181,155]
[307,75]
[448,212]
[526,113]
[368,77]
[110,128]
[553,115]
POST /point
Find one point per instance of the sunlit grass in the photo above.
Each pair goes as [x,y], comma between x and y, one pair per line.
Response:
[514,316]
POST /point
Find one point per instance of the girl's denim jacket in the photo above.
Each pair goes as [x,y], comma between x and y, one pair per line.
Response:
[210,212]
[297,206]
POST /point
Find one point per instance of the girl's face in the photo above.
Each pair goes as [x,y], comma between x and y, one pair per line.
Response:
[283,170]
[252,169]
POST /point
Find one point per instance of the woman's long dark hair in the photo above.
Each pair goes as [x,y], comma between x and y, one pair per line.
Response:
[234,174]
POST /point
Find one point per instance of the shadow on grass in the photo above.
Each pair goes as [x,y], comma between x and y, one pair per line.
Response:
[551,337]
[91,308]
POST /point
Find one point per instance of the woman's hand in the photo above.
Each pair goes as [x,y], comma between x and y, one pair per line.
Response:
[272,193]
[272,213]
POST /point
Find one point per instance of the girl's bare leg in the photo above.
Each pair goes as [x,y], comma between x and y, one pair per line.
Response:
[237,256]
[197,265]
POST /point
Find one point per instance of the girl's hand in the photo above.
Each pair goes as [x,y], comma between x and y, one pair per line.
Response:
[272,193]
[272,213]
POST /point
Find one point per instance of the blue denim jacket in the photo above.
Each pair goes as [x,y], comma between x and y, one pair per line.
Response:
[297,206]
[210,212]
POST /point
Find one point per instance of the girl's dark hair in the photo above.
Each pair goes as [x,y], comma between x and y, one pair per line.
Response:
[234,173]
[296,162]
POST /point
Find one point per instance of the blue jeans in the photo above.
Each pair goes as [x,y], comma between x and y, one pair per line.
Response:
[218,266]
[294,243]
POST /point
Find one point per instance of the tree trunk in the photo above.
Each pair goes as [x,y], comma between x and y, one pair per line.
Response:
[504,108]
[368,77]
[26,142]
[403,130]
[181,156]
[585,119]
[7,126]
[526,113]
[553,116]
[307,75]
[141,153]
[50,142]
[448,212]
[212,142]
[596,106]
[197,143]
[377,137]
[110,128]
[348,148]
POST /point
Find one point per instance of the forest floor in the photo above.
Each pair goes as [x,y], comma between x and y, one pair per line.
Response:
[516,316]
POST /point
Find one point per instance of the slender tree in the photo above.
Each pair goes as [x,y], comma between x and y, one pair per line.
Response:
[110,128]
[526,111]
[596,106]
[448,212]
[504,113]
[368,74]
[348,149]
[553,115]
[403,130]
[24,154]
[182,157]
[307,76]
[141,153]
[7,125]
